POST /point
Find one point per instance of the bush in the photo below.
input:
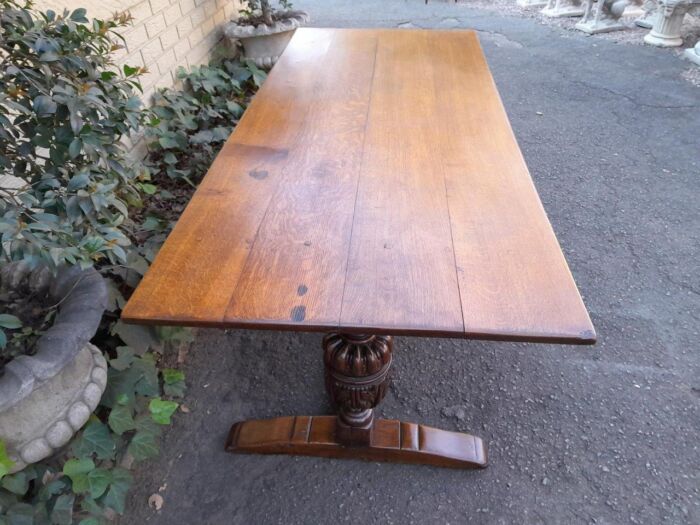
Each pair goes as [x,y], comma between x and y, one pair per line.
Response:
[188,126]
[64,108]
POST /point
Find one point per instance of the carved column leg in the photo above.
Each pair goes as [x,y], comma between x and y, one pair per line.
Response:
[357,377]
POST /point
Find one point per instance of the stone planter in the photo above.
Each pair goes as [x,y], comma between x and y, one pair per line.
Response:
[264,44]
[46,397]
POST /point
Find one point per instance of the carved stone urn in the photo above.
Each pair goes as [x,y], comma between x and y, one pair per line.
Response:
[264,44]
[46,397]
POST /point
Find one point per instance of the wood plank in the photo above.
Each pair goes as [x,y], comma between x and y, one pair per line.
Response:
[296,269]
[196,271]
[401,271]
[514,280]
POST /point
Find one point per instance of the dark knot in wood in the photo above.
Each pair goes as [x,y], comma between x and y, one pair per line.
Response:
[357,375]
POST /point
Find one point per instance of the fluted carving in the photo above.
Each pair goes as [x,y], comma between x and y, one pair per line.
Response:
[357,376]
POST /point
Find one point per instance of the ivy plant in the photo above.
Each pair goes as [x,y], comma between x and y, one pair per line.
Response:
[187,127]
[64,109]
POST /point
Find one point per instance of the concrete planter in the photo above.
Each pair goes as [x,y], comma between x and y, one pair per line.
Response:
[46,397]
[264,44]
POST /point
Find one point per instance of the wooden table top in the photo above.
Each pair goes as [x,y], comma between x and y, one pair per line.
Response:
[373,185]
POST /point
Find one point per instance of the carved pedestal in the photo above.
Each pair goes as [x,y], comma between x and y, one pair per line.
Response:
[357,378]
[666,31]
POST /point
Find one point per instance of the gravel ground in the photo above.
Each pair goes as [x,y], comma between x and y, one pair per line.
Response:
[605,434]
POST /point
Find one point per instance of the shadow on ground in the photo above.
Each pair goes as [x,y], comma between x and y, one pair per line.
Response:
[577,435]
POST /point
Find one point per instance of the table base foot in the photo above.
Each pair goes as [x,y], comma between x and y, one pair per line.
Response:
[390,440]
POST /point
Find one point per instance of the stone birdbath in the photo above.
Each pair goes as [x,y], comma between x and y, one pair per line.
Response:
[263,31]
[46,397]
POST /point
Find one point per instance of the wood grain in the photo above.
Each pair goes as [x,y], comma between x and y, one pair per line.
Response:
[373,185]
[392,440]
[300,253]
[401,271]
[512,275]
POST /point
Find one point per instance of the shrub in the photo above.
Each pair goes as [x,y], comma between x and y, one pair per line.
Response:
[64,108]
[261,11]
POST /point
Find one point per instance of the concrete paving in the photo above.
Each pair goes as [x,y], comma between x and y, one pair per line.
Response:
[608,434]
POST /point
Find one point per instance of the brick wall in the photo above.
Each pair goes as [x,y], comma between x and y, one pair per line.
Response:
[165,33]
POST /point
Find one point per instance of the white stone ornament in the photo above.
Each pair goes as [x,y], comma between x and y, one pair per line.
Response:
[562,8]
[531,3]
[606,17]
[693,54]
[666,31]
[264,44]
[650,8]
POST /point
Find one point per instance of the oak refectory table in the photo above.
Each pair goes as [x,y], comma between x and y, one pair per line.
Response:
[373,188]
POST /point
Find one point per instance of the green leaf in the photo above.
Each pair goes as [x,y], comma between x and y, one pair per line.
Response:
[77,470]
[162,410]
[125,356]
[6,463]
[78,182]
[136,336]
[78,15]
[121,420]
[75,147]
[78,467]
[52,488]
[49,56]
[98,481]
[174,382]
[129,70]
[118,488]
[172,375]
[177,389]
[95,439]
[10,321]
[44,105]
[144,445]
[62,513]
[149,189]
[20,514]
[148,384]
[89,521]
[167,142]
[16,483]
[3,344]
[90,506]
